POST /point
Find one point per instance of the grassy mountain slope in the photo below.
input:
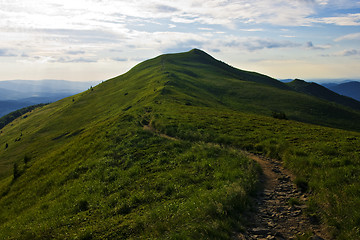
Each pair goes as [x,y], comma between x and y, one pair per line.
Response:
[85,166]
[91,170]
[319,91]
[199,79]
[325,160]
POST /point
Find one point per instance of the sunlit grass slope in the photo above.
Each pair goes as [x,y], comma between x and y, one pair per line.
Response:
[199,79]
[85,167]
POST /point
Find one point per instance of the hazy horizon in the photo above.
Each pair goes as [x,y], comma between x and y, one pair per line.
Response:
[319,80]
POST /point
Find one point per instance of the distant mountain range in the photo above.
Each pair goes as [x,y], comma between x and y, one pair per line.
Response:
[349,88]
[322,92]
[15,94]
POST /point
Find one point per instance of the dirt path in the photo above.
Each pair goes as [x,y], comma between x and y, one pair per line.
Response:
[151,129]
[279,207]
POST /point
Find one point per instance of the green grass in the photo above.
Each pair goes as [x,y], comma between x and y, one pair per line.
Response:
[132,190]
[87,169]
[13,115]
[326,161]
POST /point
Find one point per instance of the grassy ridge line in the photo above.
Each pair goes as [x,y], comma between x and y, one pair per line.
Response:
[106,178]
[325,160]
[203,81]
[95,107]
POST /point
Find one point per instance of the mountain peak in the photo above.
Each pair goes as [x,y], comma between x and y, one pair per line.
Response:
[298,80]
[201,55]
[197,55]
[198,52]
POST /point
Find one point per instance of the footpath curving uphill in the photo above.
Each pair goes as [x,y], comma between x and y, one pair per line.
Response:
[279,207]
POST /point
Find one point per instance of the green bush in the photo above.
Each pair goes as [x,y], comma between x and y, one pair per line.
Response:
[82,205]
[279,115]
[16,171]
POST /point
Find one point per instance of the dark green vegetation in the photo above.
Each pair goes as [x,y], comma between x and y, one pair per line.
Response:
[155,153]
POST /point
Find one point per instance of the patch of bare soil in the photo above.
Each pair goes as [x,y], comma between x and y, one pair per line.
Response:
[279,208]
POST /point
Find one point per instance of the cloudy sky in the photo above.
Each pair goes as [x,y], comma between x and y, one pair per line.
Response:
[87,40]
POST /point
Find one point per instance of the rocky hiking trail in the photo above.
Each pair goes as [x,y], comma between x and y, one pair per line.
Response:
[279,207]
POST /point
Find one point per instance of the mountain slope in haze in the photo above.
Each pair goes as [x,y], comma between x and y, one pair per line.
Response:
[9,94]
[156,154]
[30,88]
[319,91]
[16,94]
[350,89]
[10,106]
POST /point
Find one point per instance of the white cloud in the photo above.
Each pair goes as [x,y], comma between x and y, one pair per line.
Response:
[82,31]
[348,52]
[166,8]
[167,41]
[310,45]
[90,14]
[118,59]
[352,36]
[251,44]
[269,44]
[74,60]
[323,2]
[115,16]
[184,19]
[75,52]
[206,29]
[251,29]
[346,20]
[339,4]
[6,53]
[288,36]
